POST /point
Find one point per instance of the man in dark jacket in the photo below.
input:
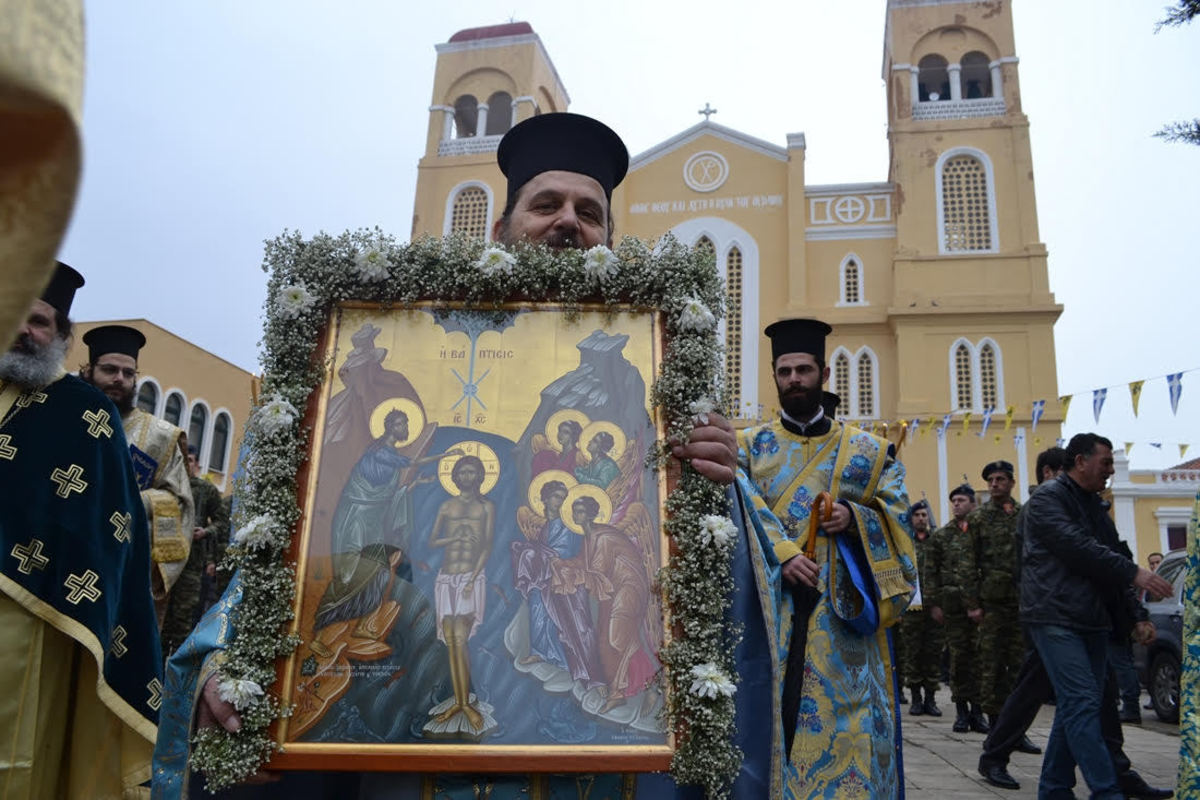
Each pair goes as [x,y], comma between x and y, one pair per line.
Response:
[1033,687]
[1069,570]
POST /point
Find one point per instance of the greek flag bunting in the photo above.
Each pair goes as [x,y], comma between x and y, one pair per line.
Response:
[1175,389]
[1098,397]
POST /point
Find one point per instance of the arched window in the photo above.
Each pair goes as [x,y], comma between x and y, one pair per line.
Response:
[499,114]
[851,291]
[466,116]
[704,243]
[733,325]
[987,377]
[841,382]
[976,76]
[198,426]
[173,409]
[964,395]
[147,397]
[967,218]
[220,443]
[866,385]
[469,212]
[933,79]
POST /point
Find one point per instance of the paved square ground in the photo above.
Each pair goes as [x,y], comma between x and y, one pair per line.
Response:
[940,763]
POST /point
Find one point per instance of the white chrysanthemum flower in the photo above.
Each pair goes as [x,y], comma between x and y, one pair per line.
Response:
[239,692]
[696,316]
[373,264]
[710,681]
[493,260]
[715,528]
[256,533]
[701,408]
[599,262]
[276,414]
[293,300]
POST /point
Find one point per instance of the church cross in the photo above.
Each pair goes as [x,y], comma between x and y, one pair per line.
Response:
[118,641]
[120,523]
[707,111]
[26,400]
[7,451]
[83,587]
[30,556]
[68,480]
[98,423]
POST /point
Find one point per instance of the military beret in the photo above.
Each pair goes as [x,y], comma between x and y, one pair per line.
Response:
[998,466]
[920,504]
[964,489]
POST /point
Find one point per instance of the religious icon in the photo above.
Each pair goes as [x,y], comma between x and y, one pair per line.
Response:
[481,537]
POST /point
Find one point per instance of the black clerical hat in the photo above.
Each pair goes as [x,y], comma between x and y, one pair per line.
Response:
[964,489]
[829,403]
[561,141]
[61,290]
[998,466]
[113,339]
[798,336]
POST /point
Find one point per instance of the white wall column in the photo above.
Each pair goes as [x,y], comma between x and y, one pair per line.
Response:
[1022,466]
[997,79]
[943,482]
[481,121]
[955,71]
[447,121]
[915,83]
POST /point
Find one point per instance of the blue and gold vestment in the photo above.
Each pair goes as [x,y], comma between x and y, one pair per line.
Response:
[847,734]
[74,542]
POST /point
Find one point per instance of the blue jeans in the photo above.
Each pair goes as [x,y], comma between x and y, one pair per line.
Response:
[1121,656]
[1076,662]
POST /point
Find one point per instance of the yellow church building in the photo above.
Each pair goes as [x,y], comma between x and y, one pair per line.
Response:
[934,278]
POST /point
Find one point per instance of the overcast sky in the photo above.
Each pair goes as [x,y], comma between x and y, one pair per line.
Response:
[209,127]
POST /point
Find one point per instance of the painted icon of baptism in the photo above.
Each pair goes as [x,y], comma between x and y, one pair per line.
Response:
[481,532]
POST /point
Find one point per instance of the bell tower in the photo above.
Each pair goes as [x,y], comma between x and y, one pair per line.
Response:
[486,80]
[971,298]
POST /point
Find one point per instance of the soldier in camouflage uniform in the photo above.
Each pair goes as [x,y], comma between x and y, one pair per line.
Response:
[921,638]
[184,600]
[993,531]
[947,572]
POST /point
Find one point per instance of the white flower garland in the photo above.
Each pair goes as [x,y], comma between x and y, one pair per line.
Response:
[307,278]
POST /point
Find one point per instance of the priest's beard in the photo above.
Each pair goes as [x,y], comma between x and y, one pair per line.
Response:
[31,365]
[123,400]
[799,403]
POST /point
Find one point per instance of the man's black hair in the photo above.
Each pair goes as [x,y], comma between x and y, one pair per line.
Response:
[1084,444]
[64,325]
[1055,458]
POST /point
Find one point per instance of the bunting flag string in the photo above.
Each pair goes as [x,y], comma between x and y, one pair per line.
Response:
[1008,417]
[1183,448]
[1135,394]
[1098,397]
[1064,402]
[1128,447]
[987,420]
[966,422]
[1039,407]
[1175,389]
